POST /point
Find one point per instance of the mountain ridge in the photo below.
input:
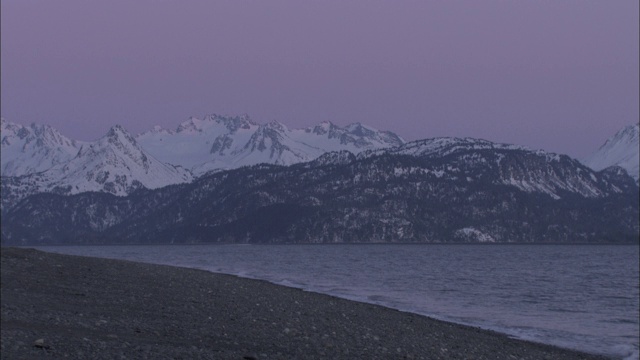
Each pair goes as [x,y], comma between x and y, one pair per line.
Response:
[621,149]
[33,148]
[36,148]
[120,163]
[114,190]
[215,142]
[467,195]
[114,164]
[42,158]
[221,142]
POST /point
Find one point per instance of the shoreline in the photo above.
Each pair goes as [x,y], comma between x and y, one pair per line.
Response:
[634,243]
[104,308]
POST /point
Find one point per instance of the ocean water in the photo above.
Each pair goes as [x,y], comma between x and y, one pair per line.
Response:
[583,297]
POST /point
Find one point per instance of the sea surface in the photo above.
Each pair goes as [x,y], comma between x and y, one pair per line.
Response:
[583,297]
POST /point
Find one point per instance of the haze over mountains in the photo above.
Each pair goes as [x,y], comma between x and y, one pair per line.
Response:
[325,184]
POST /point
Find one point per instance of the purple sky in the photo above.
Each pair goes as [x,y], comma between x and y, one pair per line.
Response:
[557,75]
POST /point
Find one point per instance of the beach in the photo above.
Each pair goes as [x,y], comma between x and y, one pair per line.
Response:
[63,306]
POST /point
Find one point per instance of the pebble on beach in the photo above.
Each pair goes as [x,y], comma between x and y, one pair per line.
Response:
[105,309]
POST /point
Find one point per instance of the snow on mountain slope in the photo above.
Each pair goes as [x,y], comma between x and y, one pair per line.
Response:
[222,142]
[115,164]
[34,148]
[622,149]
[39,159]
[444,146]
[195,141]
[533,171]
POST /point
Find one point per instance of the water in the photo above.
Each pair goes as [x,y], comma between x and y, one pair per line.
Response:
[583,297]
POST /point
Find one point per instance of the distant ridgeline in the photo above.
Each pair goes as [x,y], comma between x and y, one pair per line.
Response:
[441,190]
[381,190]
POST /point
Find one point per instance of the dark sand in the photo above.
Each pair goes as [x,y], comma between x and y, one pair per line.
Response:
[88,308]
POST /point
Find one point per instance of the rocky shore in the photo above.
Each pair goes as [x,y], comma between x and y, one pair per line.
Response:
[62,306]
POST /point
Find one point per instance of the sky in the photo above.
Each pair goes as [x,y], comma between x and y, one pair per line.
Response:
[562,76]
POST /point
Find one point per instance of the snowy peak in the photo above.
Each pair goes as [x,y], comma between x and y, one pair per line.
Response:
[120,140]
[117,148]
[34,148]
[360,130]
[355,137]
[118,134]
[622,149]
[231,123]
[475,160]
[114,164]
[443,146]
[322,128]
[192,125]
[225,142]
[627,135]
[117,164]
[157,129]
[201,144]
[267,137]
[492,194]
[277,126]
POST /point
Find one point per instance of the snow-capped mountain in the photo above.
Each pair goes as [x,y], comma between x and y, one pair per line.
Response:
[443,146]
[223,142]
[114,164]
[622,149]
[38,158]
[530,171]
[436,190]
[34,148]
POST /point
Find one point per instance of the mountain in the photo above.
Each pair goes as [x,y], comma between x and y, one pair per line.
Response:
[436,190]
[34,148]
[114,164]
[38,158]
[214,143]
[222,142]
[622,149]
[539,171]
[285,185]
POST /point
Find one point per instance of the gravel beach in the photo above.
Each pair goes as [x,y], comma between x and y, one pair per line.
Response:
[63,306]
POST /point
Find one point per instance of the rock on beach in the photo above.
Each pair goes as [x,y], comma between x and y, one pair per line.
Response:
[62,306]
